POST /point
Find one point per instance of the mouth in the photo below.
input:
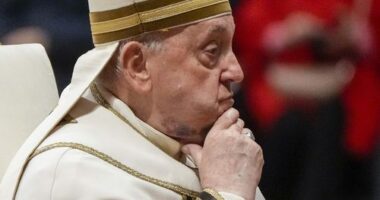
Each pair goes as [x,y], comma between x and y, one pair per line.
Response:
[227,98]
[228,101]
[225,104]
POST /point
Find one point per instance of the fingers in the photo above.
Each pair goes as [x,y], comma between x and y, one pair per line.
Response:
[194,151]
[240,124]
[248,133]
[227,119]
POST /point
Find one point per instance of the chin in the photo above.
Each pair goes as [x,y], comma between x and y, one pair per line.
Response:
[197,138]
[224,106]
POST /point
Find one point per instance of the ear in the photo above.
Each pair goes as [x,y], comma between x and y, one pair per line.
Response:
[133,57]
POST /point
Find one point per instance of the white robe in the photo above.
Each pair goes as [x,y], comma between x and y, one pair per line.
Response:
[97,155]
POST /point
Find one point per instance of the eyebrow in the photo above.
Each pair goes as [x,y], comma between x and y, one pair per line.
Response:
[217,29]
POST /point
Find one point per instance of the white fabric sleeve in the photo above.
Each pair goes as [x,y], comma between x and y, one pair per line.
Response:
[230,196]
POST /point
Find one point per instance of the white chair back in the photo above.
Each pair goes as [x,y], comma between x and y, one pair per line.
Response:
[28,93]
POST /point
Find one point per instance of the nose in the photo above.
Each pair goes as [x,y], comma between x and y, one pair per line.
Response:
[232,72]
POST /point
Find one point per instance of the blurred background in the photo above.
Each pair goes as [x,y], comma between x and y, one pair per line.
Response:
[62,27]
[311,91]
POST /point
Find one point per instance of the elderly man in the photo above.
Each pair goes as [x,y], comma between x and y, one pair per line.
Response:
[148,114]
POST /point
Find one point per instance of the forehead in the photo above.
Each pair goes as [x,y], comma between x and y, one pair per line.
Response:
[196,35]
[223,25]
[218,25]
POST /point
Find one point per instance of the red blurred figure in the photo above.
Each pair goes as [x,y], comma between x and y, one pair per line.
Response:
[303,54]
[362,96]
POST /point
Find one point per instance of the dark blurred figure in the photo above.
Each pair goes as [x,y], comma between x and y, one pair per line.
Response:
[61,26]
[311,90]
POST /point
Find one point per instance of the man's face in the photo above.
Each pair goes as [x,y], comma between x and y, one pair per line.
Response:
[191,77]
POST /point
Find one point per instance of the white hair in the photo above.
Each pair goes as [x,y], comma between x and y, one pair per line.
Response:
[152,40]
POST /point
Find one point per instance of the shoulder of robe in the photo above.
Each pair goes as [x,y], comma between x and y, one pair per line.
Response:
[66,173]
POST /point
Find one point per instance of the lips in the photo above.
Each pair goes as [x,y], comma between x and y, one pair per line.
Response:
[229,97]
[230,101]
[226,103]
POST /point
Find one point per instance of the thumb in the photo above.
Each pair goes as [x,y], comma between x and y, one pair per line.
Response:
[194,151]
[226,119]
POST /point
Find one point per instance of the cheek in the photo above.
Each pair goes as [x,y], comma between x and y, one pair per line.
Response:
[209,87]
[203,96]
[198,97]
[191,88]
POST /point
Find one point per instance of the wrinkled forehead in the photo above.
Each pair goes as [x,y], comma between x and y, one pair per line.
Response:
[222,25]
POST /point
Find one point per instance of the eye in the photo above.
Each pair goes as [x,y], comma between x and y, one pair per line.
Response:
[212,50]
[210,54]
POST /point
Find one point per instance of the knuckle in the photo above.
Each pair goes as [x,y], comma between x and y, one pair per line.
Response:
[256,148]
[234,128]
[241,122]
[260,150]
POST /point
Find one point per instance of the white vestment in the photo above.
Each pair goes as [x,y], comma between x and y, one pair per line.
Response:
[100,153]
